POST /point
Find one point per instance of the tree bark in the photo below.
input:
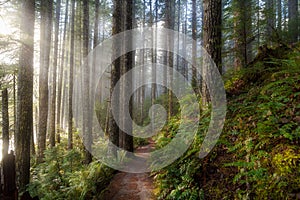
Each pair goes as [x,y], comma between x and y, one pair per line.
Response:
[128,65]
[87,128]
[36,116]
[25,93]
[61,72]
[194,46]
[142,73]
[293,20]
[170,15]
[15,110]
[115,75]
[32,145]
[242,27]
[45,44]
[153,58]
[212,26]
[5,123]
[270,16]
[93,73]
[70,104]
[279,14]
[184,30]
[54,76]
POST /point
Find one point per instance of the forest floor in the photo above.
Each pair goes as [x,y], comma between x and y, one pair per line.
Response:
[125,186]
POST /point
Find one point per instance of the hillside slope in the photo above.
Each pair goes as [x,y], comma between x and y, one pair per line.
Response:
[258,154]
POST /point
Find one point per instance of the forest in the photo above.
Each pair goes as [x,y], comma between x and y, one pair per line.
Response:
[150,99]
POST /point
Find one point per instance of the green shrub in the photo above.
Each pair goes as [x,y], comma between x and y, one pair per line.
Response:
[63,175]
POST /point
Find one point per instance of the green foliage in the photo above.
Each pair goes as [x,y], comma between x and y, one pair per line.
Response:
[179,180]
[257,156]
[101,112]
[140,141]
[63,175]
[262,120]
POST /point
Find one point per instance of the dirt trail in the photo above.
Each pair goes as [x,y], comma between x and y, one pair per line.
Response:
[128,186]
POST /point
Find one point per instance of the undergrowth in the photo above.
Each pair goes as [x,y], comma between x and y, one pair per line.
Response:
[258,154]
[63,175]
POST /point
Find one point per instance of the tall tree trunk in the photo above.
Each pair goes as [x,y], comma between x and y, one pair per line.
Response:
[87,129]
[65,95]
[127,87]
[285,15]
[15,110]
[25,93]
[93,73]
[32,145]
[153,55]
[61,74]
[184,30]
[293,20]
[54,76]
[5,123]
[95,43]
[36,119]
[80,70]
[212,26]
[248,31]
[155,50]
[46,31]
[170,15]
[242,26]
[194,46]
[279,16]
[258,23]
[165,54]
[115,75]
[270,16]
[153,58]
[70,104]
[178,30]
[142,74]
